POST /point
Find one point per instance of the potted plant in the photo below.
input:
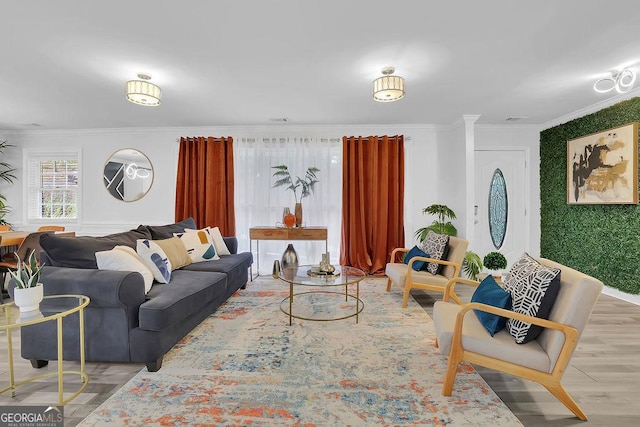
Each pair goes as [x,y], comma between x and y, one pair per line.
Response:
[28,292]
[441,225]
[495,261]
[6,174]
[306,185]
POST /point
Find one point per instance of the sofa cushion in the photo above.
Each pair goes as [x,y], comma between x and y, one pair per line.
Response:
[435,245]
[155,258]
[124,258]
[165,231]
[188,293]
[533,288]
[235,266]
[175,251]
[198,245]
[414,252]
[490,293]
[79,252]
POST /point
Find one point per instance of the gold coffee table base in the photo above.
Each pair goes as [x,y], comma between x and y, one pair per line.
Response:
[289,302]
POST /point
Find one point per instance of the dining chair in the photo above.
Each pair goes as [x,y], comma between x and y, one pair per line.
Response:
[30,242]
[5,227]
[51,228]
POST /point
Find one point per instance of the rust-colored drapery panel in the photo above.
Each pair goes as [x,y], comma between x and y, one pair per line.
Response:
[204,185]
[372,201]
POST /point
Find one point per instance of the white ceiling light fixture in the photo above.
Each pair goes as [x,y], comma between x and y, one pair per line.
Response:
[143,92]
[622,81]
[388,88]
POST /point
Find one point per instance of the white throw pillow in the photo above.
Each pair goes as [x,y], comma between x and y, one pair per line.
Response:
[124,258]
[215,237]
[155,258]
[198,245]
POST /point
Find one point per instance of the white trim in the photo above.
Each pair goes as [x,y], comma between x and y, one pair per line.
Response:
[617,293]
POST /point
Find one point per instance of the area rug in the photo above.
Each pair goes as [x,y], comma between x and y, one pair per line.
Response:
[245,366]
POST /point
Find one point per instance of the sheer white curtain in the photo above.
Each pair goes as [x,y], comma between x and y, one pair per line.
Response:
[258,204]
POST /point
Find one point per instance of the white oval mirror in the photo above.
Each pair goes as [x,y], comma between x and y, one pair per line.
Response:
[128,175]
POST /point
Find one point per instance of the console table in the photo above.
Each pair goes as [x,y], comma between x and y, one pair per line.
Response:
[278,233]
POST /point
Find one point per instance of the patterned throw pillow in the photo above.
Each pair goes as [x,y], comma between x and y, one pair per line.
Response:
[533,288]
[155,258]
[215,238]
[198,245]
[124,258]
[435,245]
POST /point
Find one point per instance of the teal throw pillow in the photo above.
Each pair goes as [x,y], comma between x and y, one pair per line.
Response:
[414,252]
[490,293]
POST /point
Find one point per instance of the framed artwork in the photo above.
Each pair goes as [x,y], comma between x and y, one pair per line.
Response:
[602,168]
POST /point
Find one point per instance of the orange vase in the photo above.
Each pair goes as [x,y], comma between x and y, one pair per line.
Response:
[289,220]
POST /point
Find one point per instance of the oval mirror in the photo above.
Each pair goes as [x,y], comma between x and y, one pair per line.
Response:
[128,175]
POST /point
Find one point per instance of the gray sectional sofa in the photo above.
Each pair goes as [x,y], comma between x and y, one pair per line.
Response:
[122,324]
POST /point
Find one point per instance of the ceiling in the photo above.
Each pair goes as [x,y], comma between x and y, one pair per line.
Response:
[235,63]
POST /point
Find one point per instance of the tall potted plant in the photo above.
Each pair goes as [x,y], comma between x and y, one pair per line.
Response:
[306,185]
[6,174]
[28,292]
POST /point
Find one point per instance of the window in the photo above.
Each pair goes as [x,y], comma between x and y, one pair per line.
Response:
[53,186]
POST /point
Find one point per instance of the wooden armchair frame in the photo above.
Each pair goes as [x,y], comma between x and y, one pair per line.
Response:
[551,381]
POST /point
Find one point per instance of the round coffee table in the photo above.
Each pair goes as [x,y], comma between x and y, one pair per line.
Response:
[322,286]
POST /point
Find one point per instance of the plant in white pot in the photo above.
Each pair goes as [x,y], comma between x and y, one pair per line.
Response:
[28,292]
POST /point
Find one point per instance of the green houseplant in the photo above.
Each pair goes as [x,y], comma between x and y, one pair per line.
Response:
[28,291]
[306,184]
[495,261]
[6,174]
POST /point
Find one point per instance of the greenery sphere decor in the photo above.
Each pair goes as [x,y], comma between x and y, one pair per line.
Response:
[495,261]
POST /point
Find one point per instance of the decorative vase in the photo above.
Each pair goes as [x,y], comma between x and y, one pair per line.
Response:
[285,212]
[276,269]
[290,220]
[28,299]
[298,212]
[289,263]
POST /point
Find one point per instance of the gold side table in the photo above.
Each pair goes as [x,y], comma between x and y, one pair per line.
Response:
[52,308]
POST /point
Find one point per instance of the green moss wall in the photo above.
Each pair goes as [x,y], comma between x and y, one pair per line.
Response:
[600,240]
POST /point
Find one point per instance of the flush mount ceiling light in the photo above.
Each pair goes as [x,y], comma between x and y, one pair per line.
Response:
[622,81]
[143,92]
[388,88]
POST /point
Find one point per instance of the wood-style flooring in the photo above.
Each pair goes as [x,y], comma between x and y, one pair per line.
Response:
[604,375]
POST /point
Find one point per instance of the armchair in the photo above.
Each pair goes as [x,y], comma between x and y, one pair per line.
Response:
[404,275]
[460,334]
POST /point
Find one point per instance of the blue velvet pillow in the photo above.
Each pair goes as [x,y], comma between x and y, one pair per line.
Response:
[414,252]
[490,293]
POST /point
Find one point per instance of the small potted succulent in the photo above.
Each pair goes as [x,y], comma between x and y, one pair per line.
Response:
[28,292]
[495,261]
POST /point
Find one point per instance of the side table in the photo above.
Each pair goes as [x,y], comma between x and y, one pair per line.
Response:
[278,233]
[52,308]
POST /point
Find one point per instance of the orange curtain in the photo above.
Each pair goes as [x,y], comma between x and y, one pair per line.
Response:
[372,201]
[204,187]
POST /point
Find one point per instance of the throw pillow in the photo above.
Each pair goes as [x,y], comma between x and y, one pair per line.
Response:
[414,252]
[533,288]
[215,237]
[490,293]
[198,245]
[124,258]
[435,245]
[176,252]
[154,258]
[165,231]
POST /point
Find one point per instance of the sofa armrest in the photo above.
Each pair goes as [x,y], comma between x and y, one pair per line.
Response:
[232,244]
[106,288]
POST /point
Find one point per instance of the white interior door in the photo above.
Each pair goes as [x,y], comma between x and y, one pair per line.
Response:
[512,165]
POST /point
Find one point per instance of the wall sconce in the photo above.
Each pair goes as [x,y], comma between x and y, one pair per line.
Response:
[622,81]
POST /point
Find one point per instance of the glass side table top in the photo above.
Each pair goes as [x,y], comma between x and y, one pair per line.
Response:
[51,307]
[303,275]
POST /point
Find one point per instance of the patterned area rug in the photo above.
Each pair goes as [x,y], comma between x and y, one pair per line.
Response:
[245,365]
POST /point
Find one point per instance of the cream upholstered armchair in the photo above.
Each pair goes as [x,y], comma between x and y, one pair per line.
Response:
[460,334]
[404,275]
